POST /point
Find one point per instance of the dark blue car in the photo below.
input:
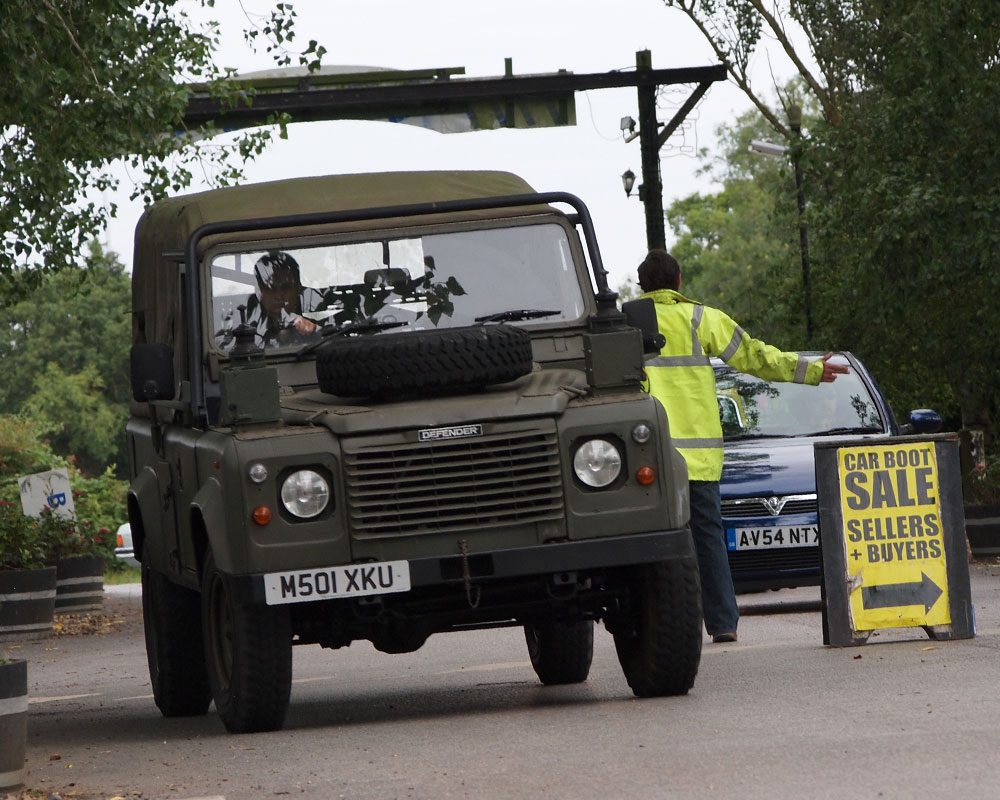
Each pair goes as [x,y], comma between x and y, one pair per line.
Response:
[769,506]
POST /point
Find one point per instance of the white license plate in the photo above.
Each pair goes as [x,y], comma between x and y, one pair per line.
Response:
[352,580]
[767,538]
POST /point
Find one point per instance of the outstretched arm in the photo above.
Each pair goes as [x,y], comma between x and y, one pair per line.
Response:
[831,371]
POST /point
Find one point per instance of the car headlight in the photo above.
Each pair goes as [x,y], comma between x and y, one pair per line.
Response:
[305,493]
[597,462]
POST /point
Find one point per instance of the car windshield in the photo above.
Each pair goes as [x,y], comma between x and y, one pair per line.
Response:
[750,407]
[524,275]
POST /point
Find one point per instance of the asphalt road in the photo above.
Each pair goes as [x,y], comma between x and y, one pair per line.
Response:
[778,715]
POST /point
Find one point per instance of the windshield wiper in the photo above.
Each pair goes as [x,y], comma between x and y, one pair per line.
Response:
[838,431]
[515,315]
[737,437]
[365,326]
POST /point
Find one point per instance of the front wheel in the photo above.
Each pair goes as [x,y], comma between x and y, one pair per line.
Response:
[560,651]
[171,621]
[248,652]
[659,641]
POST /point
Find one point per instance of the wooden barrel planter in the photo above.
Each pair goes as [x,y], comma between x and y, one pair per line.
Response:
[79,584]
[27,602]
[13,722]
[982,526]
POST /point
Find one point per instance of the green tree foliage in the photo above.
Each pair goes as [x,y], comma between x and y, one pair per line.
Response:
[22,452]
[65,356]
[739,247]
[75,415]
[907,205]
[901,176]
[89,85]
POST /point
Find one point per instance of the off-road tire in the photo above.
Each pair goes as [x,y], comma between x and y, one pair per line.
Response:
[248,654]
[423,362]
[171,620]
[661,647]
[561,651]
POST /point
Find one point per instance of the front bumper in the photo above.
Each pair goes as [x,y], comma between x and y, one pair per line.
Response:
[545,559]
[617,551]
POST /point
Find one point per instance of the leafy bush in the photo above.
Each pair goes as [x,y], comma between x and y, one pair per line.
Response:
[23,450]
[99,503]
[63,538]
[101,500]
[22,545]
[983,486]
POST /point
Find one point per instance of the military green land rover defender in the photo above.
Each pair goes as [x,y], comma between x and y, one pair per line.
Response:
[386,406]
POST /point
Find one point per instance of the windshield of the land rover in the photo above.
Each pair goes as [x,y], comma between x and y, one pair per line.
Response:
[523,275]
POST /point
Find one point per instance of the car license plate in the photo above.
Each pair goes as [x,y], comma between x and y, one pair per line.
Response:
[778,536]
[351,580]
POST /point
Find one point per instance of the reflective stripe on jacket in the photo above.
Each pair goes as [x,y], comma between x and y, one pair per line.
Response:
[682,379]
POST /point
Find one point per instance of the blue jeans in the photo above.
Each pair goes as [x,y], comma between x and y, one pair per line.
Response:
[718,598]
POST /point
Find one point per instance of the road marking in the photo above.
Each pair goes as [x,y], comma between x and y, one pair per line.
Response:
[35,700]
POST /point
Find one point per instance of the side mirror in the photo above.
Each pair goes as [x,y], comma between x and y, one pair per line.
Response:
[152,368]
[641,314]
[922,420]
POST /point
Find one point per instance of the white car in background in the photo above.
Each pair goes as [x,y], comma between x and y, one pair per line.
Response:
[123,545]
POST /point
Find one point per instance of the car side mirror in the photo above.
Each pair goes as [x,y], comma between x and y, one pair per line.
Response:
[641,314]
[922,420]
[152,370]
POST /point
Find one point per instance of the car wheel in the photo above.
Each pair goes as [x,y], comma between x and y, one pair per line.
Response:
[659,645]
[560,651]
[423,362]
[248,653]
[171,620]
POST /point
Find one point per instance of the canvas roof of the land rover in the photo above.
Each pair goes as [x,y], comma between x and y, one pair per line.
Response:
[164,229]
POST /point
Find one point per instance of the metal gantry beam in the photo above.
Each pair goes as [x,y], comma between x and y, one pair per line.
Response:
[367,101]
[508,101]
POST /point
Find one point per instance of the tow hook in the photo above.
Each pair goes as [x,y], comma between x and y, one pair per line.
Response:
[565,584]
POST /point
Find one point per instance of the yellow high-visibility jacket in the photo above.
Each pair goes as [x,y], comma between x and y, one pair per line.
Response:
[682,379]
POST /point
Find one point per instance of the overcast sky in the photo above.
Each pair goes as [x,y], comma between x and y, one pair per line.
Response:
[540,36]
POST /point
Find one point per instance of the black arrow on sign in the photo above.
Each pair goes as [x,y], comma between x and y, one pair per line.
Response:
[891,595]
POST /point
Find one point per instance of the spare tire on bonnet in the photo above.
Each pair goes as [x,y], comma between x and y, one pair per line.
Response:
[421,362]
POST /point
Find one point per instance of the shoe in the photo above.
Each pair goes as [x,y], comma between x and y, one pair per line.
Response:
[721,638]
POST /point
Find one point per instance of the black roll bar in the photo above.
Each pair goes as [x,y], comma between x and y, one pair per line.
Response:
[192,294]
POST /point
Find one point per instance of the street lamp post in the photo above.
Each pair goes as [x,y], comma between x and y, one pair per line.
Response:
[795,123]
[649,150]
[652,138]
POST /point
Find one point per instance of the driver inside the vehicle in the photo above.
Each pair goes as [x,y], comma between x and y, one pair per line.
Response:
[276,310]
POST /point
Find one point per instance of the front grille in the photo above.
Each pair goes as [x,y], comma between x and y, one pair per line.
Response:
[755,507]
[486,482]
[771,561]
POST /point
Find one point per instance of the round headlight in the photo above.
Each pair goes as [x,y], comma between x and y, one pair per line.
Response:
[305,493]
[597,463]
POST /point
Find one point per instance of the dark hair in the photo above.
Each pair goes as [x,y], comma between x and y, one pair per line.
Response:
[271,262]
[659,270]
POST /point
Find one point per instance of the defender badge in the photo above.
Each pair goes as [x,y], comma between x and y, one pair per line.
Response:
[453,432]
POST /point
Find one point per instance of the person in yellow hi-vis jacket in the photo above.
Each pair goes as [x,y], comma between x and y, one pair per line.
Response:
[681,377]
